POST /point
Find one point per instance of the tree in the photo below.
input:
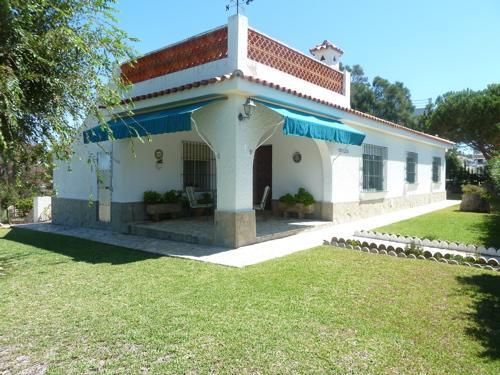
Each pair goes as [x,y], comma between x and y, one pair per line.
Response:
[57,65]
[493,170]
[469,117]
[362,96]
[393,102]
[29,175]
[453,164]
[58,61]
[381,98]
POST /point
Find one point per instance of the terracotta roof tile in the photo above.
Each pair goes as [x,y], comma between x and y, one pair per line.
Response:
[325,45]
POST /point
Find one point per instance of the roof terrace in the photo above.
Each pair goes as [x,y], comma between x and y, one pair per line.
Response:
[233,47]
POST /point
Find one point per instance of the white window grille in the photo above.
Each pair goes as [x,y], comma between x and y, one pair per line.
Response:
[198,166]
[374,167]
[411,167]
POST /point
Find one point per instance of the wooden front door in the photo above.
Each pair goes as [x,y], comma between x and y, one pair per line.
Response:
[262,173]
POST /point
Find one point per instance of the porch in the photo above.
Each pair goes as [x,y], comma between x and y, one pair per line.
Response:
[201,230]
[212,148]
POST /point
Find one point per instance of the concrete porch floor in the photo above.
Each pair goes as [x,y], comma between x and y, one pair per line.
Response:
[246,255]
[200,230]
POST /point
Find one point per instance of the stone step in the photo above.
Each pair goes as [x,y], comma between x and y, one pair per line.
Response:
[161,234]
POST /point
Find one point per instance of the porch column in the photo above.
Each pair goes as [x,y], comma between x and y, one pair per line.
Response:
[234,142]
[326,150]
[235,217]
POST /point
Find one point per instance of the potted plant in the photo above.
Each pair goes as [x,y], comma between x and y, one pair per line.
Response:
[168,203]
[301,203]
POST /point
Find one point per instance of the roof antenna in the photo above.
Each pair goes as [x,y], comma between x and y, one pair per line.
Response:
[237,4]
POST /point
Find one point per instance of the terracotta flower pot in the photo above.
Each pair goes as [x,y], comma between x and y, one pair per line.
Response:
[473,202]
[155,210]
[299,208]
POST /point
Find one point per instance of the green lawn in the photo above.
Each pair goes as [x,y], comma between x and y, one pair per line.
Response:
[451,224]
[71,306]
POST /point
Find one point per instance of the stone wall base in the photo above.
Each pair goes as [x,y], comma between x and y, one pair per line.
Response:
[318,213]
[348,211]
[84,213]
[235,229]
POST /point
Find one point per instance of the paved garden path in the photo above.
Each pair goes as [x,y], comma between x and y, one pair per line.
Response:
[243,256]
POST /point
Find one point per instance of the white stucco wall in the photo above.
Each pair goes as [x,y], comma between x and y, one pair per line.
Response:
[289,176]
[190,75]
[347,169]
[135,170]
[76,178]
[291,82]
[41,209]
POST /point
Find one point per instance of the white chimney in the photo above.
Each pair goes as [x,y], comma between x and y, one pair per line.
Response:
[328,53]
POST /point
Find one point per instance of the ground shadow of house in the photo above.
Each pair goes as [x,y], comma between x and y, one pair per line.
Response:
[80,250]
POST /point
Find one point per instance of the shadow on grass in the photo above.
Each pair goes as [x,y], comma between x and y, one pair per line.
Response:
[490,229]
[484,289]
[80,250]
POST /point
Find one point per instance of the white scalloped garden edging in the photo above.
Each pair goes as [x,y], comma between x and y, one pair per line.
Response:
[429,243]
[433,254]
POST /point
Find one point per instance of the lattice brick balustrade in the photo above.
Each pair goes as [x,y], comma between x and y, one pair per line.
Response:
[276,55]
[192,52]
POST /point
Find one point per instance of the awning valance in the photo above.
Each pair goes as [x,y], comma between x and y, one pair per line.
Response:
[304,124]
[170,120]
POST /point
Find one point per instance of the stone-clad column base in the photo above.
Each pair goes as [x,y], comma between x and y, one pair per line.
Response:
[235,229]
[326,210]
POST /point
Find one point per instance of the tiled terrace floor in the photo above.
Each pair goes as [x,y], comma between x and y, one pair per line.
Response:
[201,229]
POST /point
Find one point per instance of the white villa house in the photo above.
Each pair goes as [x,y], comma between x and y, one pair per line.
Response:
[192,106]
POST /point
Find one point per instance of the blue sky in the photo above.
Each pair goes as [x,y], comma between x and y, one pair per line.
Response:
[431,46]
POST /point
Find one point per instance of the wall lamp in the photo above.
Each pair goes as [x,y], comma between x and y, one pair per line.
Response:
[248,108]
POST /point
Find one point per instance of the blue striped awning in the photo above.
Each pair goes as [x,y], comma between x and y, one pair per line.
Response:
[303,124]
[170,120]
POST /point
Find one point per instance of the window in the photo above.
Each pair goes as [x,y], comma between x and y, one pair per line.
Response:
[436,169]
[374,166]
[411,167]
[198,169]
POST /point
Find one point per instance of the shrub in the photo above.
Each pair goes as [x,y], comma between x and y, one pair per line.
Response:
[172,196]
[8,197]
[353,242]
[24,205]
[413,249]
[152,197]
[304,197]
[473,189]
[288,199]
